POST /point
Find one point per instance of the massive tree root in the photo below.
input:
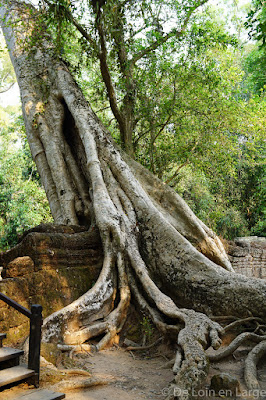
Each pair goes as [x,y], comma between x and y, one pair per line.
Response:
[155,248]
[250,365]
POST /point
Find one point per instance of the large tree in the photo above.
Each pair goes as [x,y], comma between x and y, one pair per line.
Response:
[134,50]
[155,249]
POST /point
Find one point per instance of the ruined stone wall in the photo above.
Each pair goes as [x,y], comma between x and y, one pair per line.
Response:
[63,266]
[61,269]
[248,256]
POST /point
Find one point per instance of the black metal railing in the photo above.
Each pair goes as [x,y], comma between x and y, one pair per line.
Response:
[35,316]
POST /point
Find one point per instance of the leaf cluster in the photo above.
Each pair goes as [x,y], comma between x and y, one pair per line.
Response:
[23,203]
[256,22]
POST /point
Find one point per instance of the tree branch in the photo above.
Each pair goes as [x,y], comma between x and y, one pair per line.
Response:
[176,172]
[3,90]
[78,26]
[108,79]
[154,45]
[164,39]
[161,126]
[168,118]
[181,166]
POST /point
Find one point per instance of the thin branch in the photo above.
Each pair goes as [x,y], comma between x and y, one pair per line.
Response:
[106,75]
[177,172]
[79,27]
[141,135]
[5,76]
[162,128]
[163,125]
[84,33]
[164,39]
[128,105]
[181,166]
[154,45]
[3,90]
[169,117]
[103,109]
[138,31]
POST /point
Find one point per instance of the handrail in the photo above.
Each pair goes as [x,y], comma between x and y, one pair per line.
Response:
[15,305]
[35,316]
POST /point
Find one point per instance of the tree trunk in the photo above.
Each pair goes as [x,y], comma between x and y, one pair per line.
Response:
[155,248]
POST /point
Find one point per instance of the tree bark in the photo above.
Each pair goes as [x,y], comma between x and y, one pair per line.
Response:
[154,247]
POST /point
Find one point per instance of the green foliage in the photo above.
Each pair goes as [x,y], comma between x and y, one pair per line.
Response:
[7,74]
[255,61]
[199,115]
[136,43]
[147,329]
[255,67]
[230,199]
[193,116]
[256,21]
[209,204]
[23,203]
[214,137]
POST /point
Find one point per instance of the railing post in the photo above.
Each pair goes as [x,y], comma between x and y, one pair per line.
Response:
[35,341]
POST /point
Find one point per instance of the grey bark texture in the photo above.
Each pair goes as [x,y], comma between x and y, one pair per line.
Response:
[155,248]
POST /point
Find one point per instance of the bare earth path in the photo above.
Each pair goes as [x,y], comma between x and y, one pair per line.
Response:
[140,376]
[134,378]
[137,378]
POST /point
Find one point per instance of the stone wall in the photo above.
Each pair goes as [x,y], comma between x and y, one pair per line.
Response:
[54,269]
[62,268]
[248,256]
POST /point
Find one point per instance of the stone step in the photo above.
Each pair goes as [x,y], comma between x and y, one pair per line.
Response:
[14,374]
[2,337]
[7,353]
[40,394]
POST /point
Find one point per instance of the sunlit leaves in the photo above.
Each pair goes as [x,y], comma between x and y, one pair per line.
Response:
[256,21]
[255,67]
[23,203]
[196,124]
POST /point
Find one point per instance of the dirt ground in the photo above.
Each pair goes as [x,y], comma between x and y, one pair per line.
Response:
[139,375]
[131,376]
[134,377]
